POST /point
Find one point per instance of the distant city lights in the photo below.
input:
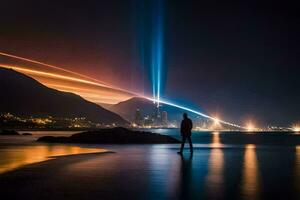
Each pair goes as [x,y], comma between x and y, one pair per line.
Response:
[296,128]
[250,127]
[216,121]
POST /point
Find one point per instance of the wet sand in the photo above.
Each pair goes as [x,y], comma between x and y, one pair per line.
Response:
[157,172]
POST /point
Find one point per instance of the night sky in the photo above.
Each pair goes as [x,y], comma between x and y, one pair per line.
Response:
[236,60]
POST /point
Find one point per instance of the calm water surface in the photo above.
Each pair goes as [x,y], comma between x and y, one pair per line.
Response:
[17,151]
[215,171]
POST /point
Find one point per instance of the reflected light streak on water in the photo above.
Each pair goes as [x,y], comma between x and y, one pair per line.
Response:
[216,141]
[214,179]
[215,176]
[251,177]
[297,170]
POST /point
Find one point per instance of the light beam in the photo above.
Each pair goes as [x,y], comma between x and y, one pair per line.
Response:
[157,50]
[195,112]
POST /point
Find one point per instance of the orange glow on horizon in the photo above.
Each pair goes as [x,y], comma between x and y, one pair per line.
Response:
[250,126]
[296,128]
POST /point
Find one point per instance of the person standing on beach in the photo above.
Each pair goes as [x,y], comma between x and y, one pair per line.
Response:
[186,132]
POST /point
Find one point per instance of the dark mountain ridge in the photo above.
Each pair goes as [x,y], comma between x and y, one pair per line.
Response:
[24,96]
[127,109]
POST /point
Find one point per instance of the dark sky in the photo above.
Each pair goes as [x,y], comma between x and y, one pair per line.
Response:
[237,59]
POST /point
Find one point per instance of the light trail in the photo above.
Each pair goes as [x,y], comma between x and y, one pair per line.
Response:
[97,83]
[90,94]
[195,112]
[48,65]
[53,75]
[63,77]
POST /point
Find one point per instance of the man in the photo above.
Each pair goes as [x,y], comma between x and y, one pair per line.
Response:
[186,132]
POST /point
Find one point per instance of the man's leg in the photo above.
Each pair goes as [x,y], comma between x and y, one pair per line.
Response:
[191,144]
[182,144]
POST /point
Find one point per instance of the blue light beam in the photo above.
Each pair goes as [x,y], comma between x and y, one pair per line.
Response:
[157,50]
[166,102]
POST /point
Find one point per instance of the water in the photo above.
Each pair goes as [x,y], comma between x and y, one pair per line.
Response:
[217,170]
[17,151]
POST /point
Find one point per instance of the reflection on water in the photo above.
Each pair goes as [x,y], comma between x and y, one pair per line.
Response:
[297,170]
[214,179]
[160,159]
[298,162]
[251,176]
[186,177]
[17,156]
[215,171]
[216,141]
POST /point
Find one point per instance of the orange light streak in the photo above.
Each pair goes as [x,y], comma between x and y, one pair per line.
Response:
[47,65]
[63,77]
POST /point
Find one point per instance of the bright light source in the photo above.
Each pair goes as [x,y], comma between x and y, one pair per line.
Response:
[134,125]
[216,121]
[250,127]
[194,111]
[296,128]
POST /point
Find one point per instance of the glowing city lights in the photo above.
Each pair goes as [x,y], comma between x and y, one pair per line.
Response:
[216,121]
[250,126]
[296,128]
[196,112]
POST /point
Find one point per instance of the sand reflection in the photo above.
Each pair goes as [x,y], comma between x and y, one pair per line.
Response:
[15,157]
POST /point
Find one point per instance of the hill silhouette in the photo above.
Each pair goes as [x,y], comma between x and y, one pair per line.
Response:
[22,95]
[127,109]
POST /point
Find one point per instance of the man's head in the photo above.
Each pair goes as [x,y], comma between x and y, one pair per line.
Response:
[185,116]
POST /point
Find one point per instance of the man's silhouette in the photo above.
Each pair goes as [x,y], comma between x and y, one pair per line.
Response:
[186,132]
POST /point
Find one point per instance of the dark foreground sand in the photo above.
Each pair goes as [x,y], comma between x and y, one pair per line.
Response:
[157,172]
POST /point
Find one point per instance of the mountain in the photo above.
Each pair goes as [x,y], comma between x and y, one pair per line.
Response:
[24,96]
[127,109]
